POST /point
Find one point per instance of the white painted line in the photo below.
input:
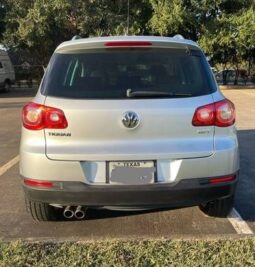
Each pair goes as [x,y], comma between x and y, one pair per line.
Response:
[8,165]
[238,223]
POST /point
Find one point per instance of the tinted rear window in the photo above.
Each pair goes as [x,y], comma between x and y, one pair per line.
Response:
[109,73]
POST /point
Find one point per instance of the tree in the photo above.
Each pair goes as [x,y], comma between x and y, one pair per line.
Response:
[168,17]
[230,39]
[224,28]
[103,17]
[191,18]
[2,17]
[41,25]
[37,25]
[246,36]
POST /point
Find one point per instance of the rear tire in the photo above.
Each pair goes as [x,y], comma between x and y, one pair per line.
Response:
[219,207]
[7,86]
[41,211]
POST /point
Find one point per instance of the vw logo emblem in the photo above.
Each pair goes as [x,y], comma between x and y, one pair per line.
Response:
[130,119]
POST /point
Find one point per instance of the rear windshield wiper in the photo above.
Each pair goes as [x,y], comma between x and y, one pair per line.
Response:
[131,93]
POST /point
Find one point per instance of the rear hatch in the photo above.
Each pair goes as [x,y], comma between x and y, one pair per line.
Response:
[96,88]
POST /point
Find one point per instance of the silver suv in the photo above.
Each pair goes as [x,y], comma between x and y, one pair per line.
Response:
[129,123]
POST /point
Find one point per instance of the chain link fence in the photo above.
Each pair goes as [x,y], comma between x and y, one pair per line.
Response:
[234,77]
[28,76]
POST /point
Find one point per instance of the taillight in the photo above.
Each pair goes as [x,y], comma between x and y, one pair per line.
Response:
[127,43]
[204,116]
[221,114]
[38,117]
[225,113]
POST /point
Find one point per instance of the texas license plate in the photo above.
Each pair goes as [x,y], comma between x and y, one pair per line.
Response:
[131,172]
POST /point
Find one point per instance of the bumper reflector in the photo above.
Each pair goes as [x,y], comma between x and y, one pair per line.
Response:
[224,179]
[36,183]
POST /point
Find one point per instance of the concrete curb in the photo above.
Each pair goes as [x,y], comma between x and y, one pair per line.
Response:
[236,87]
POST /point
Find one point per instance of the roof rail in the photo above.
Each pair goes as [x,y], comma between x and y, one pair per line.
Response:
[179,36]
[76,37]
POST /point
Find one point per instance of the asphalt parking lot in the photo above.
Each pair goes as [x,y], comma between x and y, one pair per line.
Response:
[15,223]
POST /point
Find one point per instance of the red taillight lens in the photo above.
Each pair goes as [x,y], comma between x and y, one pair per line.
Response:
[38,117]
[127,43]
[222,179]
[225,113]
[204,116]
[36,183]
[221,114]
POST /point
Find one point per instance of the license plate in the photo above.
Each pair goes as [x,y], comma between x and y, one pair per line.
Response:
[131,172]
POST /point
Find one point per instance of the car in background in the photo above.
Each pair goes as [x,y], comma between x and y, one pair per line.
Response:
[7,74]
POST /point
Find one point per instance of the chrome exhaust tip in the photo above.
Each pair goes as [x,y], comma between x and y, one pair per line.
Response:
[68,212]
[79,213]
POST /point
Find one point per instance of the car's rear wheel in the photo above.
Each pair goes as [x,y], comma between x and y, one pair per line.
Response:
[219,207]
[41,211]
[7,86]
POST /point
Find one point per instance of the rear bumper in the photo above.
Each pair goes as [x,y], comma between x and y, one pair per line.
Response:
[34,163]
[189,192]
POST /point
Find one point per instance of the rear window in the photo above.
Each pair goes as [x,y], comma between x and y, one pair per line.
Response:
[110,73]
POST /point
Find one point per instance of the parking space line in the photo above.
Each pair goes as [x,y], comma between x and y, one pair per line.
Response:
[238,223]
[8,165]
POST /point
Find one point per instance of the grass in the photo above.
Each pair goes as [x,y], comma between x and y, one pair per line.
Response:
[239,252]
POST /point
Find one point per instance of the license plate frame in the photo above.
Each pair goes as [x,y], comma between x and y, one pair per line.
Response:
[128,164]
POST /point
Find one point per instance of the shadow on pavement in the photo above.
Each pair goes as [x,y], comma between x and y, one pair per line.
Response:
[245,195]
[103,213]
[98,214]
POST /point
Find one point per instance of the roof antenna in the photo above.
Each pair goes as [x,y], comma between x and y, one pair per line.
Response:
[127,33]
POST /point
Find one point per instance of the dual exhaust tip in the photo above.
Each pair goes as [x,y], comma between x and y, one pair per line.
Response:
[72,212]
